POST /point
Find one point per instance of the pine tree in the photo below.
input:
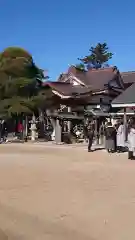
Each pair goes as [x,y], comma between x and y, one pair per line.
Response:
[98,57]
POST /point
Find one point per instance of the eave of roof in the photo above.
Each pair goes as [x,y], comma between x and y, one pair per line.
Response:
[65,116]
[67,90]
[125,99]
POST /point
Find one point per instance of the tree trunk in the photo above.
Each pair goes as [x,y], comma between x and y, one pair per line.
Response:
[41,129]
[69,122]
[41,115]
[53,122]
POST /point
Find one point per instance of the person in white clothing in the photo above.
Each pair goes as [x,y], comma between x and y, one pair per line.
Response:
[131,142]
[120,138]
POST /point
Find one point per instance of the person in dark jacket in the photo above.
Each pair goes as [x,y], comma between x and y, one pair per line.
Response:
[90,137]
[85,132]
[4,131]
[110,138]
[20,130]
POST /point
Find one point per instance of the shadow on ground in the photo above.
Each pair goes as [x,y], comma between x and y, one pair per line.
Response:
[3,236]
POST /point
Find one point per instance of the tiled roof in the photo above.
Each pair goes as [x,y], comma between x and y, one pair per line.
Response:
[126,97]
[68,89]
[128,77]
[96,78]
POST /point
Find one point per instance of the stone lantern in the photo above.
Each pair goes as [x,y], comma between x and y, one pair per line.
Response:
[33,128]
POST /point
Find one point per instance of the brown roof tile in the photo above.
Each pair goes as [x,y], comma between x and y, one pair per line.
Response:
[67,89]
[128,77]
[127,97]
[97,79]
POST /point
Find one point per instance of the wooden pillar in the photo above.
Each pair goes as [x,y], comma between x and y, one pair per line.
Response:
[57,132]
[23,132]
[96,131]
[26,126]
[69,122]
[125,124]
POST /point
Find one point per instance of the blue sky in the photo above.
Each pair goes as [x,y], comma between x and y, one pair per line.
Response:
[57,32]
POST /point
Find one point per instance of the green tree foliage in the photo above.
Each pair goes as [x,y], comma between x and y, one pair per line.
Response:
[98,57]
[16,62]
[80,66]
[20,82]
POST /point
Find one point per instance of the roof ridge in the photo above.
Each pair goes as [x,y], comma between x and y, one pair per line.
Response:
[128,72]
[89,70]
[100,69]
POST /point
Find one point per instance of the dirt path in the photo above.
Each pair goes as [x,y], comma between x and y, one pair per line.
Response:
[63,194]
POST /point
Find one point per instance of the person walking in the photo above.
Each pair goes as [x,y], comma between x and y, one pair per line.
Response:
[20,130]
[4,131]
[102,133]
[90,137]
[0,131]
[131,142]
[120,138]
[110,136]
[85,133]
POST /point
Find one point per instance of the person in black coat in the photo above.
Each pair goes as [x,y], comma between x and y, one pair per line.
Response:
[90,137]
[110,138]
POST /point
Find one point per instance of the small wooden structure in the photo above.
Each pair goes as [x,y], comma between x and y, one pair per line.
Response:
[57,117]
